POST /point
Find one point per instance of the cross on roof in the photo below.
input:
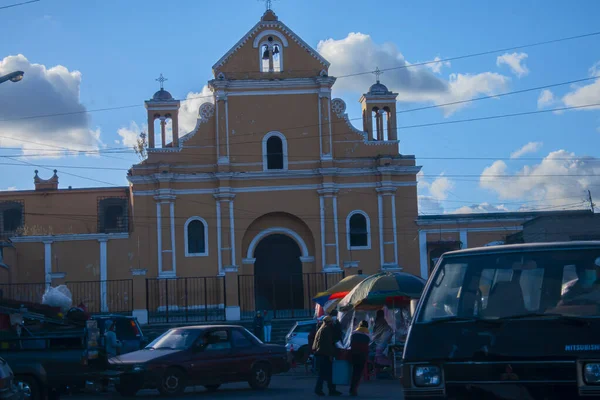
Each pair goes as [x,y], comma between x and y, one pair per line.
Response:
[268,3]
[377,73]
[161,79]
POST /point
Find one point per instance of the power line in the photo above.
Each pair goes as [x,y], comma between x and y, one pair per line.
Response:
[483,53]
[18,4]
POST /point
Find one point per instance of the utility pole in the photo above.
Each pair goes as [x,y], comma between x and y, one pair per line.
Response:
[591,200]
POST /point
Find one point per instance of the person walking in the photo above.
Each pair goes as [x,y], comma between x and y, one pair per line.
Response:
[324,348]
[338,333]
[267,322]
[112,343]
[359,352]
[259,324]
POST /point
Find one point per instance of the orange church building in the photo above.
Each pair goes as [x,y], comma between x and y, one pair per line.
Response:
[273,196]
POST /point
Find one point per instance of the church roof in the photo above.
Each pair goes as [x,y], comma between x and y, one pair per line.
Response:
[270,20]
[379,88]
[162,95]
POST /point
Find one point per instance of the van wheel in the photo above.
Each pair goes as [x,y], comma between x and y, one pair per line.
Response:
[30,387]
[261,377]
[173,382]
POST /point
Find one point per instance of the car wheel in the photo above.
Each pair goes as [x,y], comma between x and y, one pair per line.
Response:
[261,377]
[127,390]
[212,388]
[29,386]
[173,382]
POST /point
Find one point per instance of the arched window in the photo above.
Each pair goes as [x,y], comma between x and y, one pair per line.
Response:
[358,228]
[112,215]
[271,55]
[196,237]
[274,152]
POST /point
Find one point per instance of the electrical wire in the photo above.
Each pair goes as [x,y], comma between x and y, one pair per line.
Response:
[18,4]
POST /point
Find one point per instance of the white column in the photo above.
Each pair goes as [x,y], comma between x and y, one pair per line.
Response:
[423,254]
[330,131]
[159,236]
[48,262]
[220,256]
[103,276]
[173,252]
[393,200]
[380,218]
[323,248]
[463,239]
[232,232]
[335,230]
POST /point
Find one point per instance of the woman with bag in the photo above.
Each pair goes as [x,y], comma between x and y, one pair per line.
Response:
[359,351]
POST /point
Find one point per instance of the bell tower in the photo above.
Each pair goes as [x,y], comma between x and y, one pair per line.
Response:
[163,106]
[379,111]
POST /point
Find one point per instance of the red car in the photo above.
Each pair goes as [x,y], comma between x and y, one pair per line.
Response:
[199,355]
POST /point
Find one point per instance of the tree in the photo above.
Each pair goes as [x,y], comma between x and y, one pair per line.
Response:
[141,146]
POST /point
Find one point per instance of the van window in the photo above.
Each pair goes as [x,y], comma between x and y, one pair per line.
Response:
[305,328]
[126,329]
[509,284]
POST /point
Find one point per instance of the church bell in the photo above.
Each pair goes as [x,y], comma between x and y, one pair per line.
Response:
[266,54]
[276,50]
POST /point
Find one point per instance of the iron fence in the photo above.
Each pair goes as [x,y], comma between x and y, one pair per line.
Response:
[23,292]
[103,297]
[110,296]
[193,299]
[288,296]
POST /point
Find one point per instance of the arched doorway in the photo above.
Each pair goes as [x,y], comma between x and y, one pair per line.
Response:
[278,283]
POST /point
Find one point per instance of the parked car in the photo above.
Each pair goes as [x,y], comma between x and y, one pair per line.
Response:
[9,390]
[128,330]
[297,339]
[208,356]
[499,322]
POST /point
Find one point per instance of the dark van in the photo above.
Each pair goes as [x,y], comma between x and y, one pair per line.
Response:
[508,322]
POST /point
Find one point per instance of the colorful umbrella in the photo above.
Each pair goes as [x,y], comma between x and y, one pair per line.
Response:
[385,288]
[340,289]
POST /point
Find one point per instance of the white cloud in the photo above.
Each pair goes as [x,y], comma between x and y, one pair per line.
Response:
[188,113]
[44,91]
[129,136]
[428,205]
[437,66]
[586,94]
[516,63]
[358,52]
[545,183]
[595,69]
[480,208]
[530,147]
[545,99]
[440,187]
[11,188]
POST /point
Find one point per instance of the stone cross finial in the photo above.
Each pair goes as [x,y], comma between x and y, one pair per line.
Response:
[268,4]
[161,79]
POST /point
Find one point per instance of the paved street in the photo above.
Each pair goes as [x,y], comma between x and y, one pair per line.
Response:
[289,387]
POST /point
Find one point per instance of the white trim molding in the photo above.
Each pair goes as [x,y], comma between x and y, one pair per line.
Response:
[424,262]
[173,249]
[284,150]
[159,236]
[68,237]
[186,238]
[270,32]
[368,222]
[274,230]
[463,239]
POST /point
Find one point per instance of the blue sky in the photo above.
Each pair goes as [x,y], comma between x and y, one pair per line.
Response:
[120,47]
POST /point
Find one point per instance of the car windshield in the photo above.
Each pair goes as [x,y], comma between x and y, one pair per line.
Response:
[175,339]
[514,285]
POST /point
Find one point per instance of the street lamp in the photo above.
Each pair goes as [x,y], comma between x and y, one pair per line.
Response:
[13,77]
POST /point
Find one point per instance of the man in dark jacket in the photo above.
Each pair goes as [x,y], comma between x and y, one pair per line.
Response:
[324,349]
[338,334]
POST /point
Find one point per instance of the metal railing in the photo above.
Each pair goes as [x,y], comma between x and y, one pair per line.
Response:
[103,297]
[110,296]
[287,296]
[182,300]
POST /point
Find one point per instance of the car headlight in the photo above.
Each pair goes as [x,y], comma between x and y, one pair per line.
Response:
[427,376]
[591,373]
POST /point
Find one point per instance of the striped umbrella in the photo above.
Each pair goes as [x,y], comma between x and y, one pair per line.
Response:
[340,289]
[385,288]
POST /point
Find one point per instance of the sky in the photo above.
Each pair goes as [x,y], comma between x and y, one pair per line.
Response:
[82,57]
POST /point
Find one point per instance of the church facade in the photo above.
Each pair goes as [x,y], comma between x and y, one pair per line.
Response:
[272,188]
